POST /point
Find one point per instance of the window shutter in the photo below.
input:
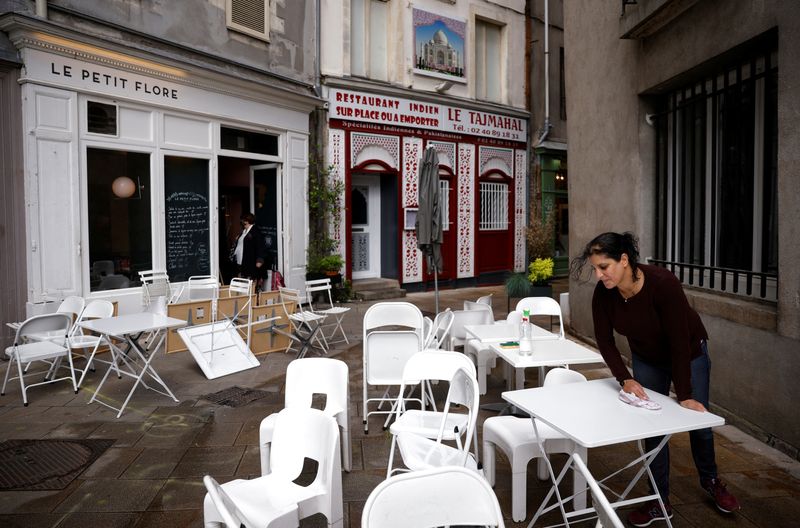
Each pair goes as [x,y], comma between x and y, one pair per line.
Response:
[249,16]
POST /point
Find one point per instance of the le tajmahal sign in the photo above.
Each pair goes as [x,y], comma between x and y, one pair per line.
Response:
[357,106]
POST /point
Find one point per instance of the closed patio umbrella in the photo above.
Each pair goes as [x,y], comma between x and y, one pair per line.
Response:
[429,216]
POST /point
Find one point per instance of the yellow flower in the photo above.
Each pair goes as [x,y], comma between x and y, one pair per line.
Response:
[540,270]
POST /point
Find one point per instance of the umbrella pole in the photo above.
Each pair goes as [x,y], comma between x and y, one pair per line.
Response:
[436,287]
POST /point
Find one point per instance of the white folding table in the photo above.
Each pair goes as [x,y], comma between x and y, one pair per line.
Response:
[592,415]
[137,361]
[545,353]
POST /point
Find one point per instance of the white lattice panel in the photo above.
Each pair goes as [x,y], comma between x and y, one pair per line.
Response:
[336,162]
[388,148]
[446,152]
[520,187]
[465,241]
[496,158]
[412,257]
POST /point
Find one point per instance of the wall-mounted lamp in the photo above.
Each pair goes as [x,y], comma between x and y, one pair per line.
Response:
[123,187]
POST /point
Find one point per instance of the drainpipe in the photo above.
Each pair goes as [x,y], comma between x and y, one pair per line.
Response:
[41,8]
[546,126]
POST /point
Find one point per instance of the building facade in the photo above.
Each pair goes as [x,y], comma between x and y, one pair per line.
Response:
[682,129]
[449,75]
[137,141]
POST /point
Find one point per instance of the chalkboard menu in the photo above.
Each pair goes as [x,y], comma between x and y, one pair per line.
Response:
[187,217]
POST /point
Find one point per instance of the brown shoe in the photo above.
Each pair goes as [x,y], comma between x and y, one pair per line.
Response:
[650,511]
[722,497]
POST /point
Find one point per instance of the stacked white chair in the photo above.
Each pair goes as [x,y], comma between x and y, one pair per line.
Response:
[387,351]
[447,496]
[517,439]
[299,434]
[323,286]
[439,330]
[202,287]
[442,425]
[78,340]
[305,378]
[28,347]
[479,316]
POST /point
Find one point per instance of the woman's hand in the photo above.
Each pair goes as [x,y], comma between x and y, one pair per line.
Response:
[693,405]
[632,386]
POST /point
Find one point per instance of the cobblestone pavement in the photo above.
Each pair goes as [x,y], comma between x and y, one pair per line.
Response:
[152,475]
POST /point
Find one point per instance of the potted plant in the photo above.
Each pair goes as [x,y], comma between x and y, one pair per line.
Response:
[330,265]
[540,271]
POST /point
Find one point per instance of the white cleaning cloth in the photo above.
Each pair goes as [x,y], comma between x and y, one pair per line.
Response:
[632,399]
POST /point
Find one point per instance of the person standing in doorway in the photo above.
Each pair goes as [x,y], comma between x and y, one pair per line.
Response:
[250,251]
[668,343]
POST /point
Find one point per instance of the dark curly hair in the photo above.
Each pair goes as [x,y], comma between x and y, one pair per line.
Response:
[612,245]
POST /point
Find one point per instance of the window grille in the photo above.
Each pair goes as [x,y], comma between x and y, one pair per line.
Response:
[249,16]
[494,206]
[716,175]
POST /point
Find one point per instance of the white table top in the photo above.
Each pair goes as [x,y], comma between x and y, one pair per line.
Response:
[123,325]
[500,332]
[549,353]
[592,415]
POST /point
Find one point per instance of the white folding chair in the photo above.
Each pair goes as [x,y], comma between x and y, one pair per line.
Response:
[484,356]
[50,350]
[300,433]
[517,439]
[306,325]
[446,496]
[419,451]
[439,330]
[444,424]
[247,509]
[155,284]
[543,306]
[96,309]
[202,287]
[305,378]
[606,515]
[462,318]
[323,286]
[386,351]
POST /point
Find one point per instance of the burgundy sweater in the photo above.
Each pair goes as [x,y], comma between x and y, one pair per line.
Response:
[660,326]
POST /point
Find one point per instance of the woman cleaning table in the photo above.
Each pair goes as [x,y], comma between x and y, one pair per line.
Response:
[668,344]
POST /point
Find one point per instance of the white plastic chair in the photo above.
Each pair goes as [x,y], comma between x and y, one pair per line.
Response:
[299,433]
[50,350]
[306,325]
[421,452]
[305,378]
[446,496]
[96,309]
[484,356]
[336,312]
[517,439]
[387,351]
[202,287]
[439,330]
[248,510]
[606,515]
[479,316]
[444,424]
[543,306]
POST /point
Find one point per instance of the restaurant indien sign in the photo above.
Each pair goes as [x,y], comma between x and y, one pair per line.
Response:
[372,108]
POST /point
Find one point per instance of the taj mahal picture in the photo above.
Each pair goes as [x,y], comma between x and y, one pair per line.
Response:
[439,44]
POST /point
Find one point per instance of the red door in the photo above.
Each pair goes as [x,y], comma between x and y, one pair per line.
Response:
[494,241]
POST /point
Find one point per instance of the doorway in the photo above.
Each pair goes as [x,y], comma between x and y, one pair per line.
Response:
[248,186]
[365,200]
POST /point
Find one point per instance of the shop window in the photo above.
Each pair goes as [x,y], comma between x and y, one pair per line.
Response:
[118,201]
[369,39]
[248,141]
[488,61]
[248,16]
[101,118]
[494,206]
[716,175]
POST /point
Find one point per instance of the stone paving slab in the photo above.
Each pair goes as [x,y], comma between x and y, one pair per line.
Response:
[152,476]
